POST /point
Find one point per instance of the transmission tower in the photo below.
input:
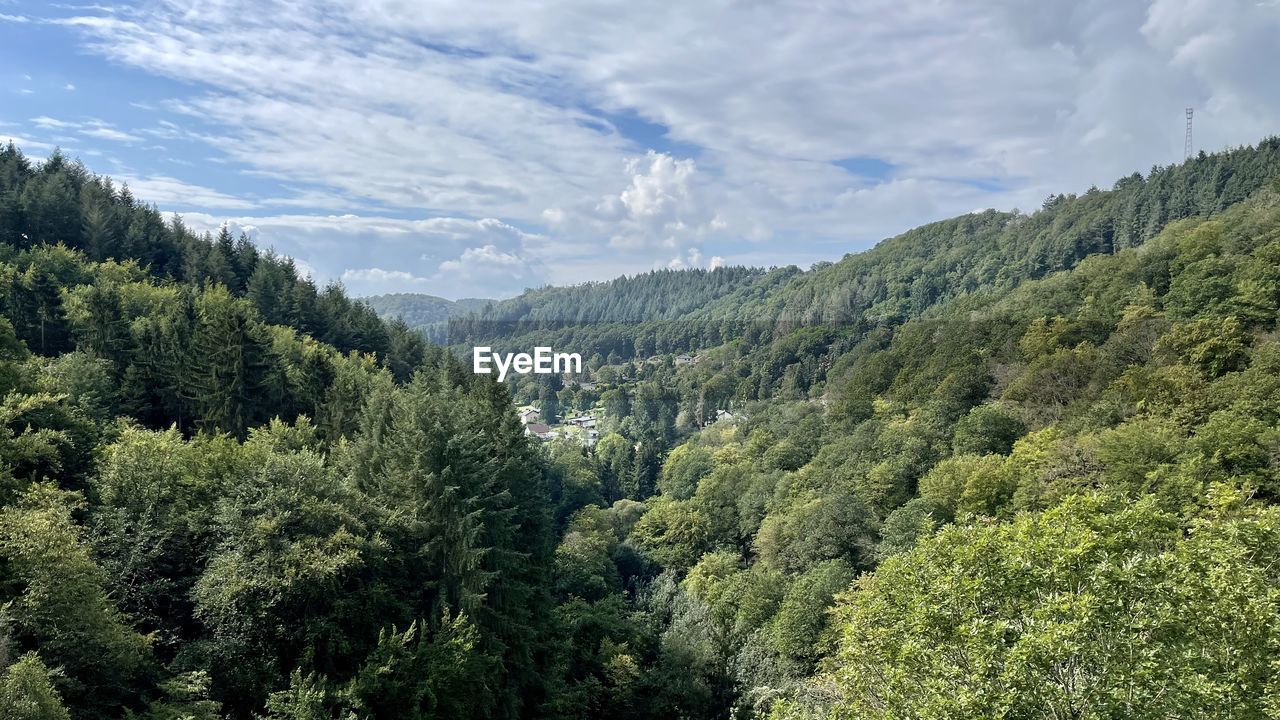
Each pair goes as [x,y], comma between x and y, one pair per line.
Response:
[1186,150]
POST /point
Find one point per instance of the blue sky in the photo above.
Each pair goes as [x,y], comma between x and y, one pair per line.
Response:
[475,147]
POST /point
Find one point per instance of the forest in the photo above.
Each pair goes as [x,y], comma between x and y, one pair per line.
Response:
[1006,465]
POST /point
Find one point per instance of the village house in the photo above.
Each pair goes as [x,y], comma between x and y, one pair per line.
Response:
[542,432]
[530,415]
[684,360]
[722,415]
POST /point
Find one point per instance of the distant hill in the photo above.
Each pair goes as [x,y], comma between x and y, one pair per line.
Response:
[908,276]
[419,310]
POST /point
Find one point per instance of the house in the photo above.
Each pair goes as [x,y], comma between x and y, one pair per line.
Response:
[584,421]
[530,415]
[684,360]
[723,415]
[588,386]
[541,431]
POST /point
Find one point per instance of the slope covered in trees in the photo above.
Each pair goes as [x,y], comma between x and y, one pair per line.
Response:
[1046,489]
[418,310]
[901,278]
[224,493]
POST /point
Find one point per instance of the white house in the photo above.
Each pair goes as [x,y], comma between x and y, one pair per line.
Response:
[538,429]
[530,415]
[723,415]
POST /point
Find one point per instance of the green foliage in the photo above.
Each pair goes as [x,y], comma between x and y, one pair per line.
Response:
[802,617]
[684,468]
[986,430]
[185,697]
[831,525]
[968,484]
[907,525]
[307,698]
[27,692]
[1047,444]
[1097,608]
[63,607]
[674,533]
[416,678]
[1213,345]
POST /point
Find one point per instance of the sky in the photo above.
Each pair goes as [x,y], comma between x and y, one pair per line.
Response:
[474,148]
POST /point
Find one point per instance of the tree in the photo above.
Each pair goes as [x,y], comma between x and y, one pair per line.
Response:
[987,429]
[834,524]
[27,692]
[63,607]
[684,467]
[549,405]
[802,617]
[229,362]
[1213,345]
[673,533]
[290,541]
[1098,608]
[419,678]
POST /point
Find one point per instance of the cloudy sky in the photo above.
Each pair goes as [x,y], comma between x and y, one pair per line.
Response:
[478,147]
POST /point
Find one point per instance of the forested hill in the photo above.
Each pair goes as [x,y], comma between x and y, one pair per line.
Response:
[1047,487]
[419,310]
[61,203]
[225,493]
[655,295]
[900,278]
[904,275]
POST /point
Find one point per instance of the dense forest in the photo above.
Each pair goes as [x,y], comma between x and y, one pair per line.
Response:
[1005,465]
[427,313]
[899,279]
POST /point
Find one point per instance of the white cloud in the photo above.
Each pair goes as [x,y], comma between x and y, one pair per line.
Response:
[91,128]
[693,259]
[174,193]
[478,272]
[483,258]
[487,271]
[664,205]
[456,257]
[373,281]
[109,133]
[475,109]
[48,122]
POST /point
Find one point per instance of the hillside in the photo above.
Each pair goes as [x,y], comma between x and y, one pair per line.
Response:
[1004,465]
[419,310]
[202,459]
[900,278]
